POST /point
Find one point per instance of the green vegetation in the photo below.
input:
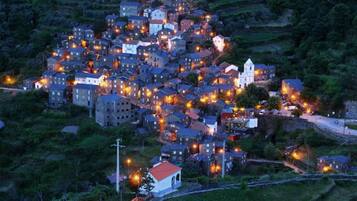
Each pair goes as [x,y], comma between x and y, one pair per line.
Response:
[30,29]
[352,126]
[302,191]
[37,161]
[251,96]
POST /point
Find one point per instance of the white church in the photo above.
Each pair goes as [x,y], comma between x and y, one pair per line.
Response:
[244,78]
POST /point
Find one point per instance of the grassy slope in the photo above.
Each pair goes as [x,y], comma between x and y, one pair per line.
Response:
[31,144]
[260,34]
[289,192]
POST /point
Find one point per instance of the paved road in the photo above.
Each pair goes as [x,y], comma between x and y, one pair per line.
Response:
[334,125]
[11,89]
[285,163]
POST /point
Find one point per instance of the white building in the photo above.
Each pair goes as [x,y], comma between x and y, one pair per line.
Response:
[231,67]
[89,78]
[155,26]
[219,42]
[247,76]
[130,47]
[211,123]
[147,12]
[159,14]
[252,123]
[167,178]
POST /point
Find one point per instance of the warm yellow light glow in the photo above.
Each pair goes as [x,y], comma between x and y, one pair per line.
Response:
[194,146]
[308,110]
[203,99]
[60,69]
[326,169]
[237,149]
[127,90]
[148,93]
[9,80]
[285,90]
[200,78]
[296,155]
[235,109]
[128,161]
[189,105]
[84,43]
[215,168]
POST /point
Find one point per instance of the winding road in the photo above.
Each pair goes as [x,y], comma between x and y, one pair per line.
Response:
[334,125]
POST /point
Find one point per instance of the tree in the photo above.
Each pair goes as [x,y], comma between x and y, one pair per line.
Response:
[251,96]
[192,78]
[277,6]
[274,103]
[340,18]
[147,183]
[271,152]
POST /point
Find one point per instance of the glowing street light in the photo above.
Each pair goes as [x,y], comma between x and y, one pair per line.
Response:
[135,179]
[326,169]
[215,168]
[128,161]
[237,149]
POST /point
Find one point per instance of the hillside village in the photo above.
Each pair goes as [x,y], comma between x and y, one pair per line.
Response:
[159,68]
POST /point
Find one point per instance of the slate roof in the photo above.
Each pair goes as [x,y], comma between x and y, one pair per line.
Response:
[86,86]
[210,120]
[296,84]
[173,147]
[188,133]
[337,158]
[87,75]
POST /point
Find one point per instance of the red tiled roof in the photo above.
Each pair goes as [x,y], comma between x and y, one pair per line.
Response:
[138,199]
[156,21]
[163,170]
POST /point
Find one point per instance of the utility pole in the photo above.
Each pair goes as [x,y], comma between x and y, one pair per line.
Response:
[224,158]
[118,146]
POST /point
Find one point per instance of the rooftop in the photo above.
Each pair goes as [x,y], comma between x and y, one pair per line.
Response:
[163,170]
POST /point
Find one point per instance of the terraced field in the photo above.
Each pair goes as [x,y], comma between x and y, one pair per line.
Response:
[256,31]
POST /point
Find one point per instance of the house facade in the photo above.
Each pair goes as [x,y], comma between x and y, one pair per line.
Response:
[113,110]
[167,178]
